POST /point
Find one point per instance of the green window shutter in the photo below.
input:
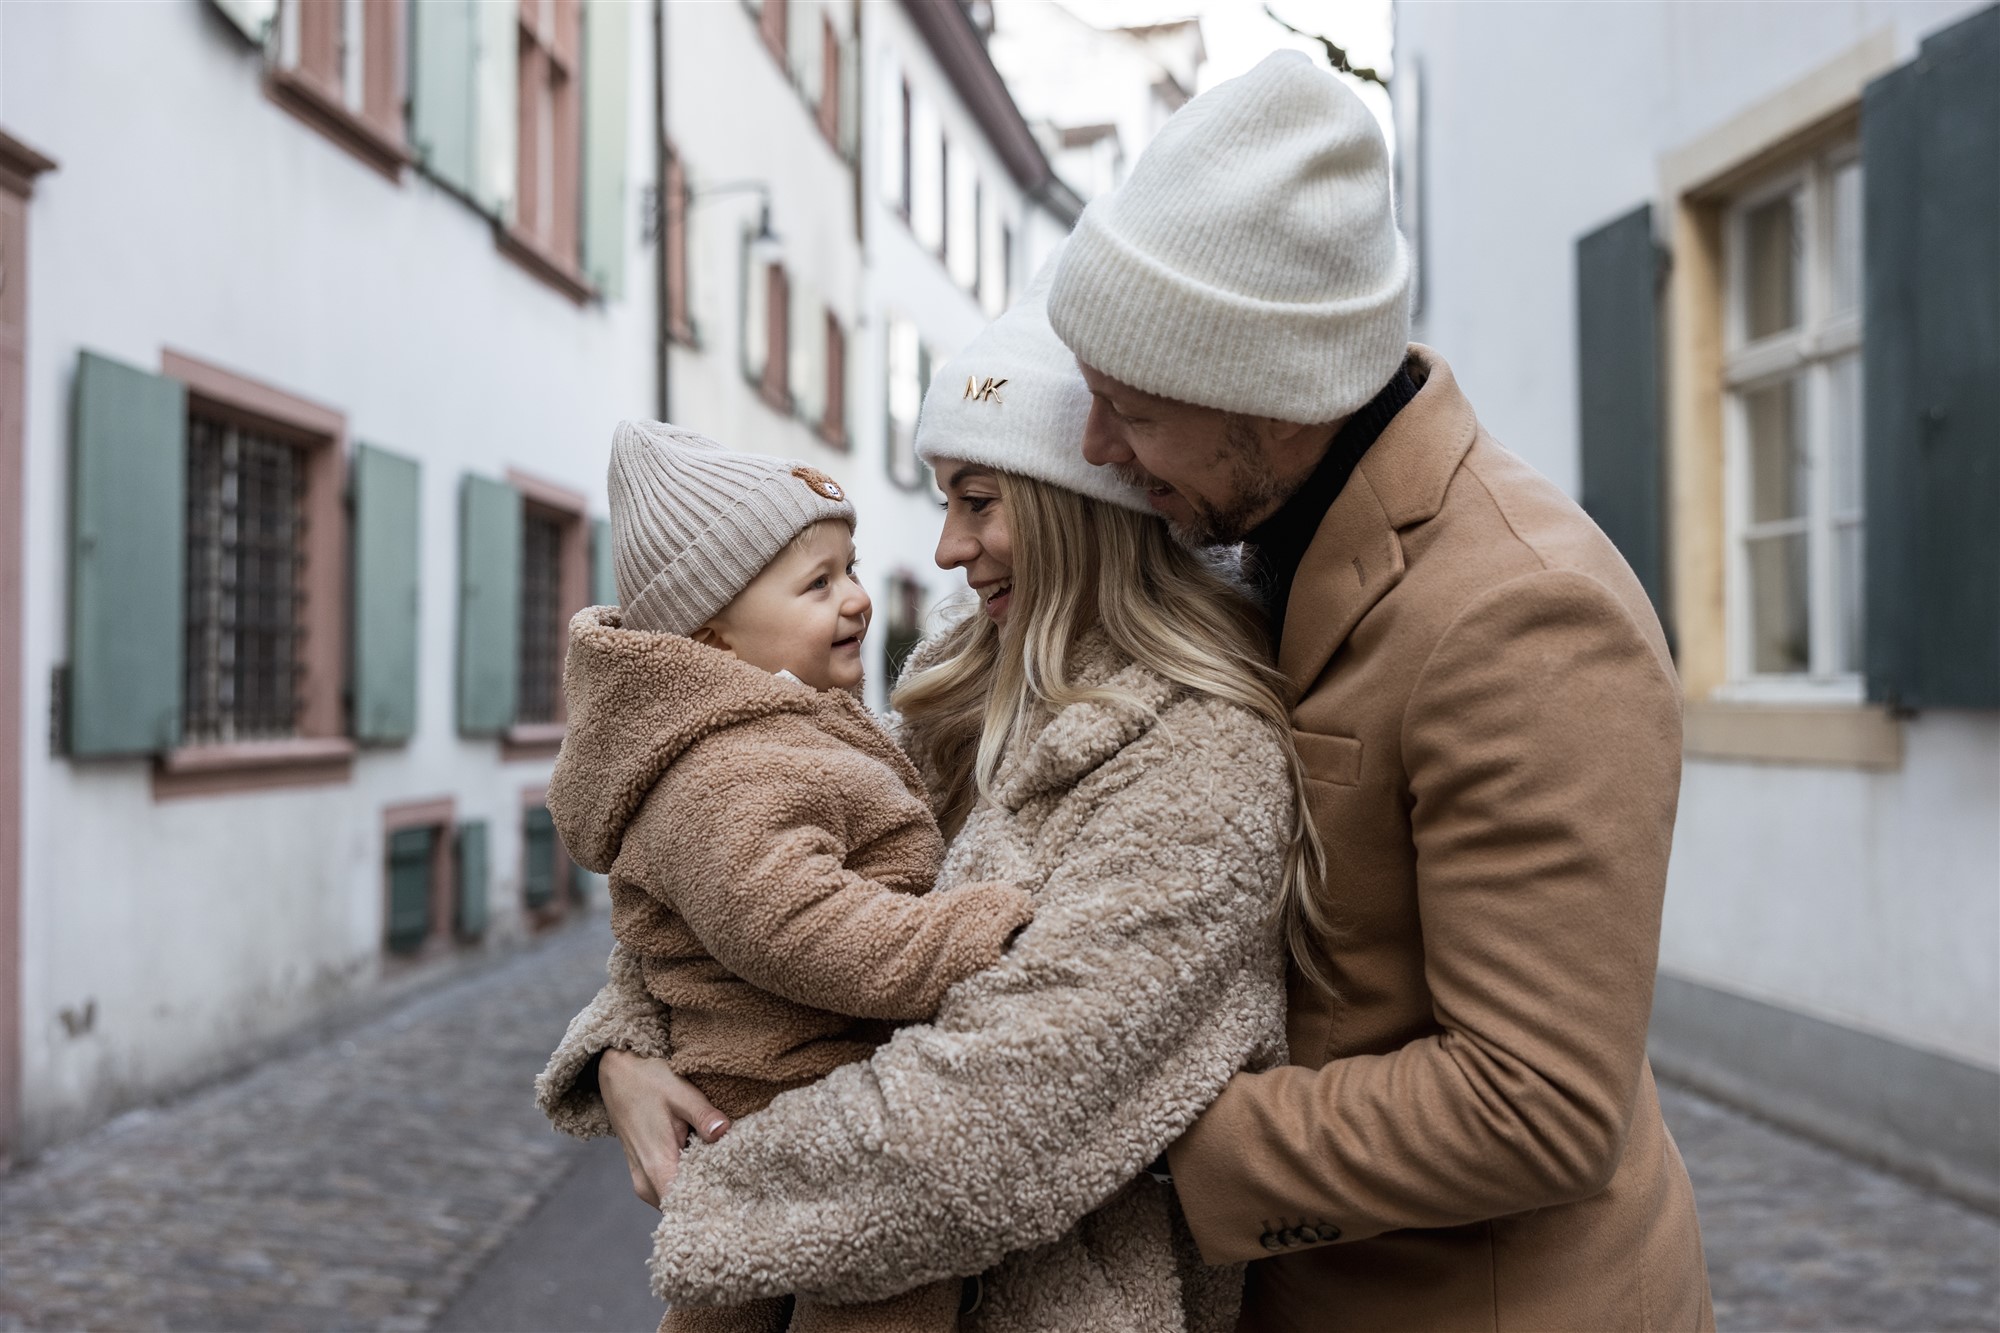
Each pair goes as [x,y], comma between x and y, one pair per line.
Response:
[606,64]
[1930,159]
[470,898]
[387,490]
[603,577]
[1618,270]
[444,41]
[128,553]
[410,863]
[538,857]
[489,597]
[463,97]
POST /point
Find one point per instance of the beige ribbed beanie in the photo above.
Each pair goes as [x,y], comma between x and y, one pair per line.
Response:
[1251,262]
[1014,400]
[692,522]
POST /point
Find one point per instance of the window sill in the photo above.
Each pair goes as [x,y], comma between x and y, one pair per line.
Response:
[532,740]
[1865,736]
[245,766]
[304,98]
[781,403]
[682,334]
[832,436]
[529,253]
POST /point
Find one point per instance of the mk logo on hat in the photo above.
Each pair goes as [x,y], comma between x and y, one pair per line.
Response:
[820,482]
[984,391]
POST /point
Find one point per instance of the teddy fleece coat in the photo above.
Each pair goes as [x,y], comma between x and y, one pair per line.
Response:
[769,851]
[1009,1135]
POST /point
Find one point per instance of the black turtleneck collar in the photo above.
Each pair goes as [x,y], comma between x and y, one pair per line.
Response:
[1279,543]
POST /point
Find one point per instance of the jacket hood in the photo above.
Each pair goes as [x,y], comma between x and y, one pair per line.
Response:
[637,701]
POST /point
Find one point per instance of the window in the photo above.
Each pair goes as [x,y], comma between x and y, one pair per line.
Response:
[775,384]
[1792,367]
[909,374]
[246,492]
[339,68]
[926,171]
[1006,265]
[903,160]
[542,627]
[420,874]
[548,880]
[833,421]
[554,574]
[947,223]
[978,223]
[549,137]
[674,219]
[905,623]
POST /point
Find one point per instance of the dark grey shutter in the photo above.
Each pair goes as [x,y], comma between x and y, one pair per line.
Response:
[386,489]
[128,554]
[1618,270]
[1930,158]
[469,910]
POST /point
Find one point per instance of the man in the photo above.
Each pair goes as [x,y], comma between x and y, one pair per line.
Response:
[1469,1134]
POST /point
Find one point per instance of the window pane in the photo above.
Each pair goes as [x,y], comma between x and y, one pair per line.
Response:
[1847,594]
[1771,269]
[1844,433]
[1846,239]
[1774,419]
[1779,632]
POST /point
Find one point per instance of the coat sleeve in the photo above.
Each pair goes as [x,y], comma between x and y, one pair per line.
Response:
[1542,747]
[623,1015]
[1150,974]
[756,866]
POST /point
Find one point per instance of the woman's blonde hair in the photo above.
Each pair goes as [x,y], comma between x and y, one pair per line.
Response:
[1080,564]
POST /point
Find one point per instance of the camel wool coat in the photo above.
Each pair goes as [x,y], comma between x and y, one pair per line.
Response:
[1009,1135]
[1468,1135]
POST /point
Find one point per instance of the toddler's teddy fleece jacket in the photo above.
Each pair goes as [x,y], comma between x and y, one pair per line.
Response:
[770,853]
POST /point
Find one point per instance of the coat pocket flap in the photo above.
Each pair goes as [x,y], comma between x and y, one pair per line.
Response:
[1335,759]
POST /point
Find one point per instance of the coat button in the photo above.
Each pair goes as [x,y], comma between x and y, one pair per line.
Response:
[1270,1241]
[1293,1235]
[1326,1232]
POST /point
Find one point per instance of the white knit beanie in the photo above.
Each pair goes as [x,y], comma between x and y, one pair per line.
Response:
[1014,400]
[692,522]
[1251,262]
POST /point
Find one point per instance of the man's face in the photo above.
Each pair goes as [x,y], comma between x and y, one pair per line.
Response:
[1206,472]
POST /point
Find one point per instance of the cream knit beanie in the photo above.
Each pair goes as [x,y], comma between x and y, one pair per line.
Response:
[692,522]
[1014,400]
[1250,263]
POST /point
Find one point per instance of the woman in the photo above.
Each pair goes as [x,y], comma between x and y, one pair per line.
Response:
[1105,733]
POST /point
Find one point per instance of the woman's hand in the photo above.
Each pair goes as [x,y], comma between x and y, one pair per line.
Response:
[652,1111]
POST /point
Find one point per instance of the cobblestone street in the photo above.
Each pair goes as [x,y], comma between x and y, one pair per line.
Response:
[400,1178]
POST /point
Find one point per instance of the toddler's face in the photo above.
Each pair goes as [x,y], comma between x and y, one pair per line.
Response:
[806,613]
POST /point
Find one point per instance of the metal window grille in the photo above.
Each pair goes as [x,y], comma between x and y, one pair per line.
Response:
[541,618]
[245,559]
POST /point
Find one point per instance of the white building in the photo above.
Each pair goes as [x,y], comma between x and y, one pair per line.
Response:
[1730,274]
[1095,96]
[315,318]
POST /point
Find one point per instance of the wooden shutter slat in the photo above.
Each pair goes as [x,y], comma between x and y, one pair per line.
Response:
[1930,134]
[387,549]
[128,552]
[489,617]
[606,63]
[1618,270]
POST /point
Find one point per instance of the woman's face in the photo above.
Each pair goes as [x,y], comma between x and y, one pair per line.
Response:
[976,538]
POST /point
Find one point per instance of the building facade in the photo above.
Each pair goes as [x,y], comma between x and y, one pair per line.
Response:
[315,320]
[1729,275]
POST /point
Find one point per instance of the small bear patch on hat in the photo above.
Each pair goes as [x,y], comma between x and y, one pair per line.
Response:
[819,482]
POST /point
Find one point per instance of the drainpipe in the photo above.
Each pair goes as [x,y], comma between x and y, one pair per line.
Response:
[663,275]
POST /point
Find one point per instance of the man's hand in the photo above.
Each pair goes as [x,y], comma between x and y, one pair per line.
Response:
[652,1111]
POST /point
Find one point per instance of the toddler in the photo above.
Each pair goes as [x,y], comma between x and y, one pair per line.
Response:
[769,848]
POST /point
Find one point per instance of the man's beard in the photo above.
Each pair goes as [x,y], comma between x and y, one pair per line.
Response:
[1253,492]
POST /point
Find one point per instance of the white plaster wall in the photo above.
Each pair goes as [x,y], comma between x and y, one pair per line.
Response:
[191,212]
[1866,898]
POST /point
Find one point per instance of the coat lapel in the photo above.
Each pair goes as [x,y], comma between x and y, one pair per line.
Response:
[1357,555]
